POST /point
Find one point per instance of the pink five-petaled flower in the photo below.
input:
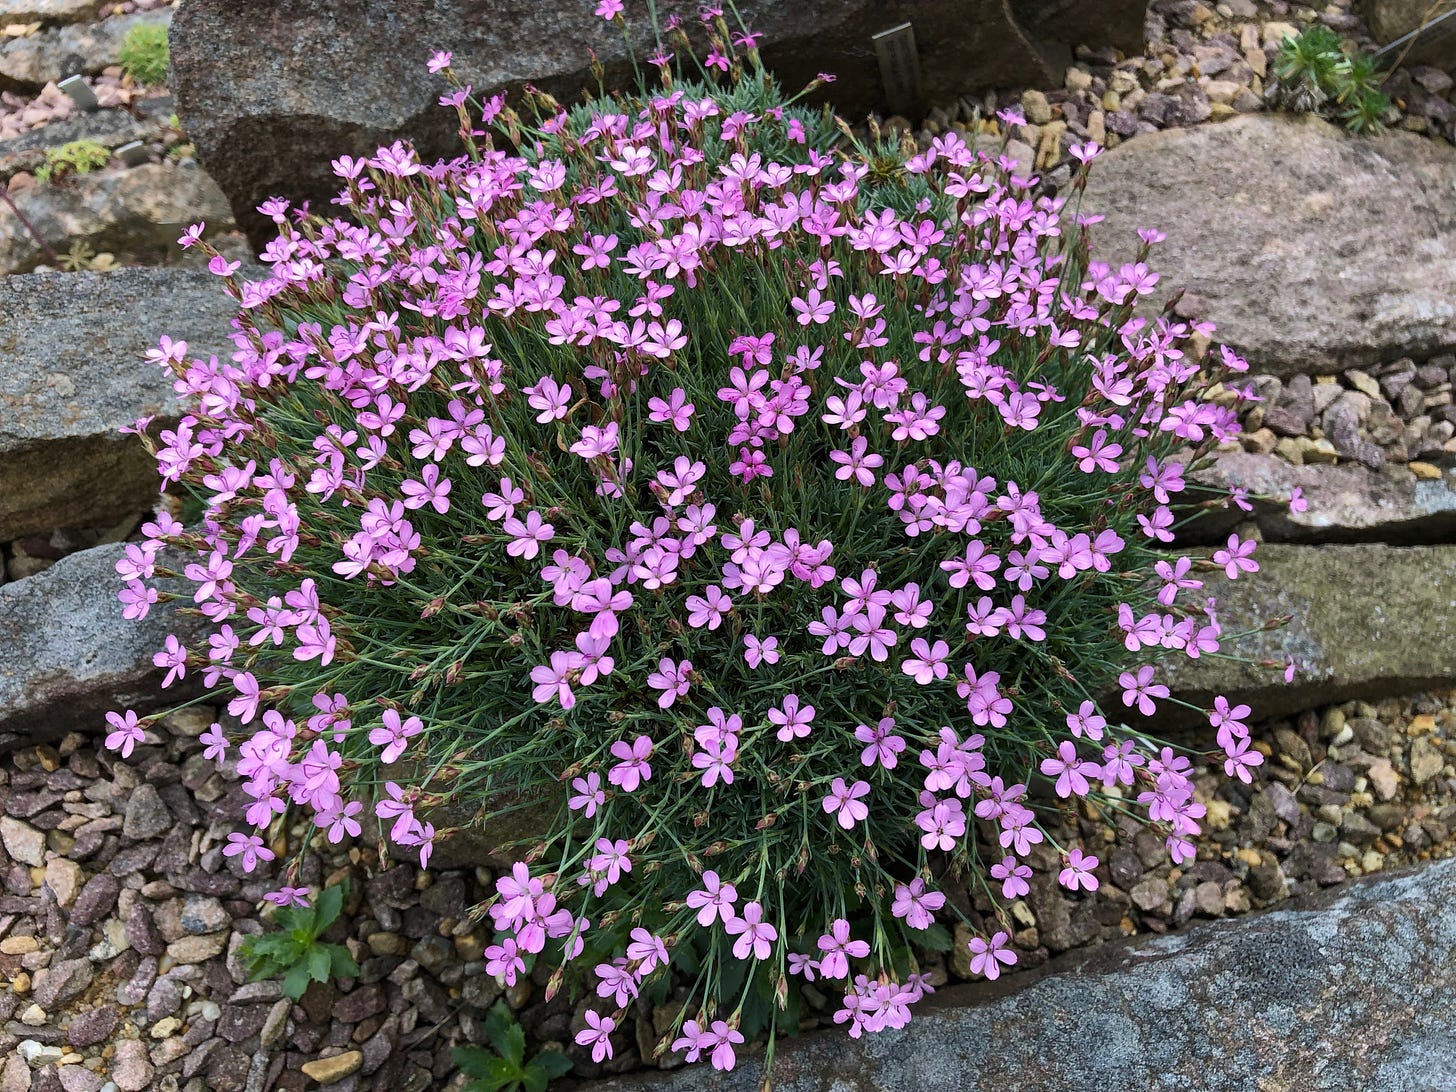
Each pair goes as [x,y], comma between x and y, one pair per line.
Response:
[248,846]
[555,680]
[1078,873]
[127,732]
[845,800]
[1070,770]
[589,795]
[755,936]
[1237,557]
[916,904]
[882,745]
[792,719]
[1140,690]
[597,1034]
[714,900]
[395,734]
[526,537]
[632,767]
[673,679]
[288,896]
[988,955]
[608,9]
[1241,759]
[439,61]
[1013,876]
[1228,720]
[838,950]
[760,650]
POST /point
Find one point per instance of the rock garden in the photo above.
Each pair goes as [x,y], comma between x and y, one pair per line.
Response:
[1305,936]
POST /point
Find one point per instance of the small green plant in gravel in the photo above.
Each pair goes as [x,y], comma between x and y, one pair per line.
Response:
[144,54]
[1316,75]
[505,1069]
[77,157]
[295,952]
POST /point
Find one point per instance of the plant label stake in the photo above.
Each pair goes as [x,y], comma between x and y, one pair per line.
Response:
[899,67]
[133,153]
[80,93]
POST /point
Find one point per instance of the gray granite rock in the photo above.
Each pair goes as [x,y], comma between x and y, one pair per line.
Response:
[1346,503]
[271,91]
[1367,621]
[69,654]
[1344,993]
[50,11]
[26,152]
[73,348]
[84,48]
[138,212]
[1307,265]
[1392,19]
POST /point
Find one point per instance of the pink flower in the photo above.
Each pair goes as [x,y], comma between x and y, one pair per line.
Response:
[1241,759]
[1078,873]
[607,9]
[1237,557]
[1070,770]
[916,905]
[673,679]
[793,721]
[589,795]
[126,734]
[248,846]
[1013,876]
[632,768]
[755,936]
[845,800]
[288,896]
[839,949]
[1140,690]
[764,651]
[988,955]
[394,735]
[439,61]
[714,900]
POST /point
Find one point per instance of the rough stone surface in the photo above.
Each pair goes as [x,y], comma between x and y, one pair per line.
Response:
[1353,994]
[1367,621]
[271,90]
[1347,503]
[50,11]
[1392,19]
[1304,267]
[26,152]
[72,376]
[86,48]
[70,655]
[137,212]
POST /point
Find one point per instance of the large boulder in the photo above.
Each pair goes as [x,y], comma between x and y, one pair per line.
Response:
[69,654]
[1366,621]
[138,212]
[1350,991]
[1312,250]
[272,90]
[73,347]
[1392,19]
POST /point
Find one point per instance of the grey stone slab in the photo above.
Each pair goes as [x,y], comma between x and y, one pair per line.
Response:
[67,655]
[73,371]
[1312,250]
[1354,992]
[1367,620]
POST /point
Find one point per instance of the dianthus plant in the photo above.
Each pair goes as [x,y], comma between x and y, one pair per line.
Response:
[787,521]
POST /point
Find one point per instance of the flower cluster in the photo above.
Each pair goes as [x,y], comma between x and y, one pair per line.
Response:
[781,512]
